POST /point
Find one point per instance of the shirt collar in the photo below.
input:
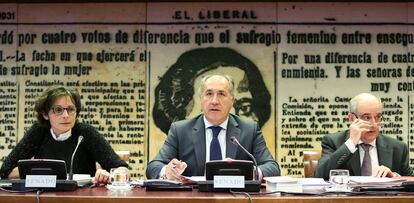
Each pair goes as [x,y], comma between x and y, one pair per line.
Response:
[223,125]
[373,143]
[62,137]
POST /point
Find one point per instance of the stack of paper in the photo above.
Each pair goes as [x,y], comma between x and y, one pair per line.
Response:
[82,179]
[368,180]
[283,184]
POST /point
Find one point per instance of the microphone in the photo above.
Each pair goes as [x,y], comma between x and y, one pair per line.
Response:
[80,139]
[236,142]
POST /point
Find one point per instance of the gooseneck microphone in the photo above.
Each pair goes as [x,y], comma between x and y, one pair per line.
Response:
[236,142]
[80,139]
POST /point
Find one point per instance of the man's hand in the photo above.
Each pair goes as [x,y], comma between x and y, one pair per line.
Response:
[101,177]
[356,129]
[174,169]
[383,171]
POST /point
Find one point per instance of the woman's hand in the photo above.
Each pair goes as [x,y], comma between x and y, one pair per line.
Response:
[101,177]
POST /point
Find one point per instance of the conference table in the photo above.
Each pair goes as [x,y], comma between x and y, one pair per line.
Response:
[103,195]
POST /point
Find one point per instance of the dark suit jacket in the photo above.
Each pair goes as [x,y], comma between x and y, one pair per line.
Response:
[186,141]
[392,153]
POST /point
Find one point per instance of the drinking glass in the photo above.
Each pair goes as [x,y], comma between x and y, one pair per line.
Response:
[339,178]
[119,176]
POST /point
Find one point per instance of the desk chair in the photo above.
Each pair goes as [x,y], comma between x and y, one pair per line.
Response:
[124,155]
[310,161]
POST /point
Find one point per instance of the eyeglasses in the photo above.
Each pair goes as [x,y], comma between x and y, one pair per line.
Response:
[368,117]
[58,110]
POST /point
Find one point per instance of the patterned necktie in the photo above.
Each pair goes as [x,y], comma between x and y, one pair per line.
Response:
[215,149]
[366,168]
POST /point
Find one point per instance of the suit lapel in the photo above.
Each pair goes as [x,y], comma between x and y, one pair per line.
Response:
[354,161]
[384,152]
[232,130]
[199,141]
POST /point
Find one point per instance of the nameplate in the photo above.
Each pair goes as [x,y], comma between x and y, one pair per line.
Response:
[228,182]
[46,181]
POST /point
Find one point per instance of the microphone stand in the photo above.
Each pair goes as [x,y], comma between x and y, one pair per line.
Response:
[236,142]
[80,139]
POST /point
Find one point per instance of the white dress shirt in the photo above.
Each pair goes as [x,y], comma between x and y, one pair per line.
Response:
[373,152]
[221,137]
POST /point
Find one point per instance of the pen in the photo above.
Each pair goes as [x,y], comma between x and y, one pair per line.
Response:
[174,166]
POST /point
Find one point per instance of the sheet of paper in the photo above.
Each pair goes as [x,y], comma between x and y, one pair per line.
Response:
[81,177]
[281,179]
[313,182]
[194,178]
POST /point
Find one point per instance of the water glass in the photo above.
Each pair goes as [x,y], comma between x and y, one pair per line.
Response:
[119,176]
[339,178]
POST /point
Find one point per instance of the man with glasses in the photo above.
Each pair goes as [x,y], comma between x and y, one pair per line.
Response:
[362,149]
[56,135]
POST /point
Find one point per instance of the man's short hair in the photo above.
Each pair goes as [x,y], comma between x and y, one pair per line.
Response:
[228,78]
[353,103]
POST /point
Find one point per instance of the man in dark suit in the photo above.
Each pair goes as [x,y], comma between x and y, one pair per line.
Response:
[362,149]
[190,143]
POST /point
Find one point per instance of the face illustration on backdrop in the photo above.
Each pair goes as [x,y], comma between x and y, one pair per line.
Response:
[177,97]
